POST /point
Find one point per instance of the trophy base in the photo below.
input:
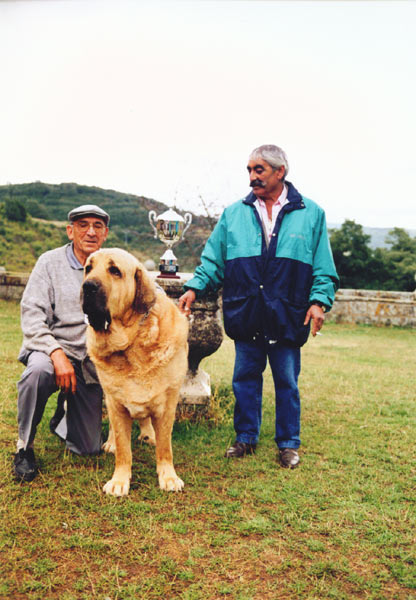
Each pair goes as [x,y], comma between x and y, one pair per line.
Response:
[167,276]
[166,270]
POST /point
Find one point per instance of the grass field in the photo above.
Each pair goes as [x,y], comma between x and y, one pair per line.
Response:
[340,526]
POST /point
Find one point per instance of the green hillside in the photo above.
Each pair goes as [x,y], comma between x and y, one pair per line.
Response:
[33,218]
[42,227]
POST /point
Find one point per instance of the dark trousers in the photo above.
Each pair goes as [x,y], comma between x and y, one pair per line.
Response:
[80,425]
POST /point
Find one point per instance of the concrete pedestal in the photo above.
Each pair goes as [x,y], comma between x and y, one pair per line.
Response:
[205,337]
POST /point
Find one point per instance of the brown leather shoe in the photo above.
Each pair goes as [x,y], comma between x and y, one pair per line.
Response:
[240,449]
[289,458]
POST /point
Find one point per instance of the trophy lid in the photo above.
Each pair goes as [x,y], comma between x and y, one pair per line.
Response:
[170,215]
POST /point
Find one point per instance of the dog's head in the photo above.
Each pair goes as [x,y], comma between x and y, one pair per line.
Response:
[115,285]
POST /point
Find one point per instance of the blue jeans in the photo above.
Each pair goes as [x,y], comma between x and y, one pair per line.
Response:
[250,362]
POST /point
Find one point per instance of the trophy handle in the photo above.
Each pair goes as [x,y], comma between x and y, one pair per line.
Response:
[152,221]
[188,221]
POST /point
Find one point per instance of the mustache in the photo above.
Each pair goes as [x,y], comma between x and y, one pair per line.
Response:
[257,183]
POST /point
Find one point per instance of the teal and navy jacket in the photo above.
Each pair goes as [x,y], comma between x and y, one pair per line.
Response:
[267,290]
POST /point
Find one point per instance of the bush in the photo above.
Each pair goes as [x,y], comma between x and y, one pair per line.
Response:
[15,211]
[36,210]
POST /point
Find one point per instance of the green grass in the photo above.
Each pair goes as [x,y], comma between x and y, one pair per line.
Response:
[341,526]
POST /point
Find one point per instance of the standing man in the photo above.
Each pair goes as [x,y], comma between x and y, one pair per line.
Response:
[271,253]
[54,345]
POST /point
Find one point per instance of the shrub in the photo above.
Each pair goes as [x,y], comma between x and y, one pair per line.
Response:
[15,211]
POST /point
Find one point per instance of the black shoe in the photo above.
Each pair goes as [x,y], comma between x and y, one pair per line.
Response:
[240,449]
[25,467]
[289,458]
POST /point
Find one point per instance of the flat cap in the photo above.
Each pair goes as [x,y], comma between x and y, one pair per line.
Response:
[88,210]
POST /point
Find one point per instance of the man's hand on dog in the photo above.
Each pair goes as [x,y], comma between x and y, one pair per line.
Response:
[186,300]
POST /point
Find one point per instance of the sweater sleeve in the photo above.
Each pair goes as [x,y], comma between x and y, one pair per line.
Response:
[36,310]
[209,275]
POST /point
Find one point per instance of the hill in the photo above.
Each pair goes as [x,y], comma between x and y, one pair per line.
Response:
[378,234]
[48,205]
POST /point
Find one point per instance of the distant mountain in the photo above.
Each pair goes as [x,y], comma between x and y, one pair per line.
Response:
[129,226]
[378,234]
[20,245]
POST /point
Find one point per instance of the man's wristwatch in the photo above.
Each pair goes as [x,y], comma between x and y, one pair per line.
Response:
[320,304]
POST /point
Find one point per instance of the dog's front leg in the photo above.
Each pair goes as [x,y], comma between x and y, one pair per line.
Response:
[163,424]
[120,422]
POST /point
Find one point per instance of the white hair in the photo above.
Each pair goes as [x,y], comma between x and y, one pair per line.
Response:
[275,156]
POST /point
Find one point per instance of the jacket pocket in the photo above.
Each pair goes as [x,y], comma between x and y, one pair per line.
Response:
[242,317]
[283,321]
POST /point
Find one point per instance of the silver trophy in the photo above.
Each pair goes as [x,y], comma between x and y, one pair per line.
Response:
[170,228]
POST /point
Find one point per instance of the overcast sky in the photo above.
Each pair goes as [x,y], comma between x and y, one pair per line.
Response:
[167,99]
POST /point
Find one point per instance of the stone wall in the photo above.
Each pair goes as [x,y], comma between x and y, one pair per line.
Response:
[350,306]
[374,308]
[12,285]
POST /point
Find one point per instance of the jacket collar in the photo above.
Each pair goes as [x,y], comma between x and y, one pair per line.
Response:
[293,196]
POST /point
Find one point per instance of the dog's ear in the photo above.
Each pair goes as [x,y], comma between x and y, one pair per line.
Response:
[145,295]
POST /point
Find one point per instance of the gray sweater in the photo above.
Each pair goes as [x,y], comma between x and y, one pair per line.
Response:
[51,313]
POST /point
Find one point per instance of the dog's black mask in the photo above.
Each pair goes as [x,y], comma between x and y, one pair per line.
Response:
[94,305]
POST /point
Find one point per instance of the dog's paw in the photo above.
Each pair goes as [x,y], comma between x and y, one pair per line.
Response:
[147,439]
[117,487]
[171,484]
[109,446]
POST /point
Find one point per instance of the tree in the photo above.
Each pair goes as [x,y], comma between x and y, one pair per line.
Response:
[360,267]
[352,254]
[402,255]
[400,241]
[36,210]
[15,211]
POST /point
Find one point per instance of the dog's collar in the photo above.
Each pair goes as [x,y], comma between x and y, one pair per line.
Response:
[149,310]
[145,315]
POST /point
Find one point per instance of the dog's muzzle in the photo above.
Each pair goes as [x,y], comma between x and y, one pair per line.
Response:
[94,305]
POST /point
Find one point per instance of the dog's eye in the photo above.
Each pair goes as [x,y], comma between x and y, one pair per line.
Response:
[115,271]
[88,268]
